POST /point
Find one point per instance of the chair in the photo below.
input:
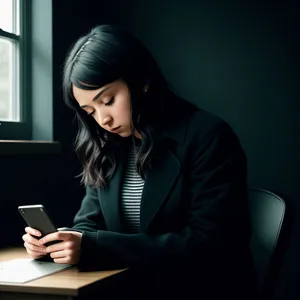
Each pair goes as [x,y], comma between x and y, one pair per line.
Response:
[267,213]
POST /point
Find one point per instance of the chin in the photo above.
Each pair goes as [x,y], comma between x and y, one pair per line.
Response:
[125,134]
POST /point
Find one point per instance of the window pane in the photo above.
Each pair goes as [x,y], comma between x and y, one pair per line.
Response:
[6,15]
[6,111]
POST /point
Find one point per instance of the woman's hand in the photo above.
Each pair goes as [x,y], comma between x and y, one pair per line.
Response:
[67,250]
[33,247]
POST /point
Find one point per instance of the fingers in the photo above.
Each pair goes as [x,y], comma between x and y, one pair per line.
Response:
[56,247]
[32,245]
[55,236]
[30,240]
[66,251]
[33,252]
[63,260]
[60,236]
[69,241]
[33,248]
[60,254]
[33,231]
[65,257]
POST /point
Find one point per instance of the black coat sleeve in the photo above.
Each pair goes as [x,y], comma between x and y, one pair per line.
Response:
[216,188]
[89,218]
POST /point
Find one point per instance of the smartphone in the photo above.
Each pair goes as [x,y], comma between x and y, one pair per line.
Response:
[36,217]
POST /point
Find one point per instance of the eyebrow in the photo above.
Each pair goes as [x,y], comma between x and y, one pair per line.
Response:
[97,96]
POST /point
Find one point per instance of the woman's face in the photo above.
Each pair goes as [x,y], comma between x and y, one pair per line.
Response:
[109,105]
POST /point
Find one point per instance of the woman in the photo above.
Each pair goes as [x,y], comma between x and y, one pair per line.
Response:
[166,191]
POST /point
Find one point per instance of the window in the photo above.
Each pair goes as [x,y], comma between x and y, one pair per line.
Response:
[26,87]
[13,118]
[9,61]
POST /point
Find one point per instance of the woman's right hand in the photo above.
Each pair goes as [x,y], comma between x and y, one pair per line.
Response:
[32,245]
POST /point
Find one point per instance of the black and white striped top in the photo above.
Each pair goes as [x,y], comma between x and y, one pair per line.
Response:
[131,195]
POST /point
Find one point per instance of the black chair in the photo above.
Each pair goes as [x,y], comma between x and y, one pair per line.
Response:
[267,214]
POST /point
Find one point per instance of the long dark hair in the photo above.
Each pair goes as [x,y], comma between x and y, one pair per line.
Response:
[108,53]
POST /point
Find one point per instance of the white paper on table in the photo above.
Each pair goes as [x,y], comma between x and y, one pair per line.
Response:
[27,269]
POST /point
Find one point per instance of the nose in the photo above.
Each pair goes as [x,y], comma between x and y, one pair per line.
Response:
[105,120]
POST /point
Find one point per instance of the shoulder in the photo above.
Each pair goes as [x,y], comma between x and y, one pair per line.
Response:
[205,131]
[202,125]
[201,122]
[196,129]
[187,122]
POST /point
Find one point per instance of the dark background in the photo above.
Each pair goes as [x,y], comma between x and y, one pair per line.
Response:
[236,60]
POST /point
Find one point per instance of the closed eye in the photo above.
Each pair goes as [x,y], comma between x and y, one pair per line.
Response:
[110,102]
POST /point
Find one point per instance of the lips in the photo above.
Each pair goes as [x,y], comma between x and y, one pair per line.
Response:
[115,129]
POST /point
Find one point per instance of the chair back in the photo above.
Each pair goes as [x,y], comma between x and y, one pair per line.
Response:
[267,214]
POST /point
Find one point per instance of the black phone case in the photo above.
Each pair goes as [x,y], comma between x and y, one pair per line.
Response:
[37,218]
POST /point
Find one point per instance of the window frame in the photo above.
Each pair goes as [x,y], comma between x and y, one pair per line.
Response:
[22,129]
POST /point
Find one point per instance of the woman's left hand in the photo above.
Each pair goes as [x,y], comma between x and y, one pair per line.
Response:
[67,251]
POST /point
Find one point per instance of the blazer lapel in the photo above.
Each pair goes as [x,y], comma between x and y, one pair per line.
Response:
[111,195]
[158,183]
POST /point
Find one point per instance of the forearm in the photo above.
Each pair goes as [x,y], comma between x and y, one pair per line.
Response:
[116,250]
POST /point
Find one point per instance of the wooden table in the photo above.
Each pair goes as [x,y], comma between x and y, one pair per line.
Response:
[66,285]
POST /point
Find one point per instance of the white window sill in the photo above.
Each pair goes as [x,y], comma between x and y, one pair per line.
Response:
[20,147]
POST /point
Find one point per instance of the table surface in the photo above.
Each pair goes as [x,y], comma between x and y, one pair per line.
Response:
[68,282]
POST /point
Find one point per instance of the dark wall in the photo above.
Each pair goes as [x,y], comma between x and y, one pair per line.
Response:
[45,179]
[239,61]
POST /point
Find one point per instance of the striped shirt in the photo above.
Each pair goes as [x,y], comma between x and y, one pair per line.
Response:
[131,195]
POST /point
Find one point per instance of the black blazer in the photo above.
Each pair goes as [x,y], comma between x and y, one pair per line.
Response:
[194,221]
